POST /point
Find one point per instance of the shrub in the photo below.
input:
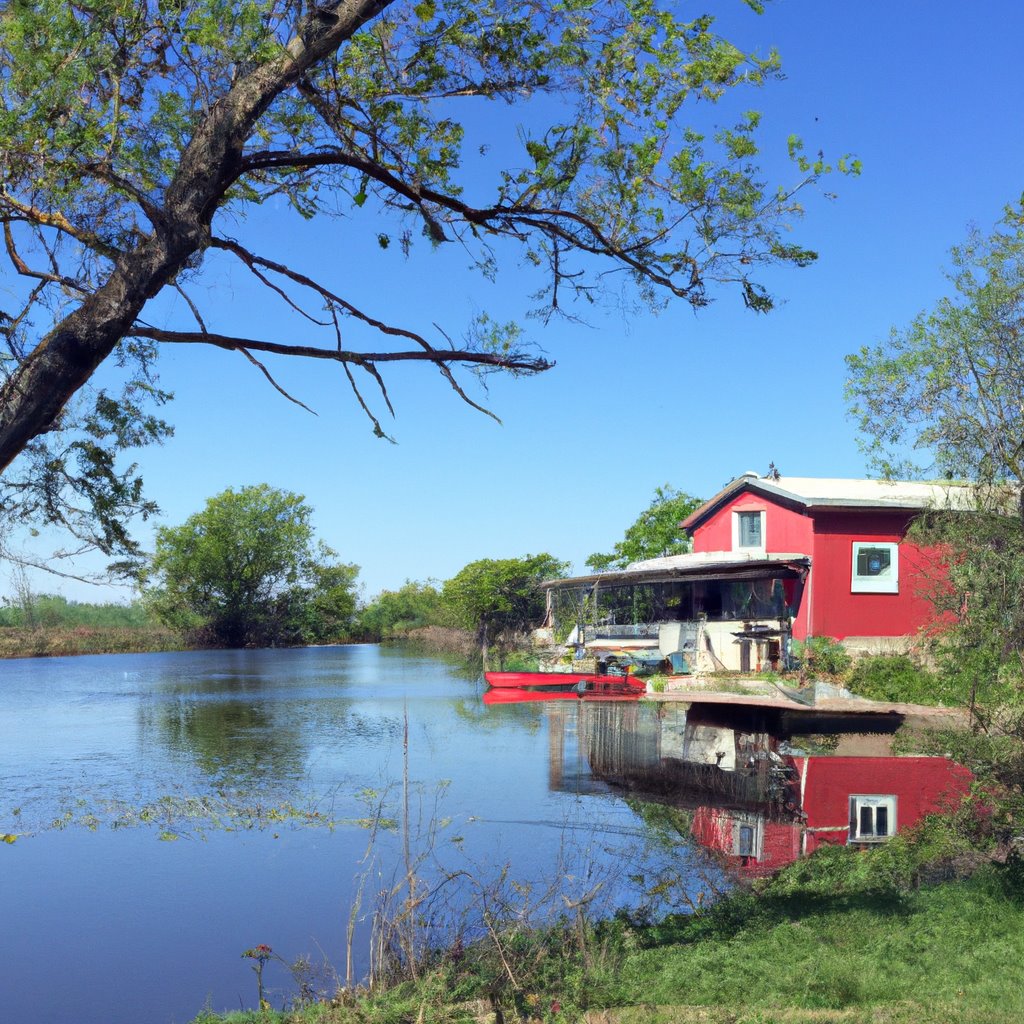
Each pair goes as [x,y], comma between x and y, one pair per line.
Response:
[823,655]
[896,678]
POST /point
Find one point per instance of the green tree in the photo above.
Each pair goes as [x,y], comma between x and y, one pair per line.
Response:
[656,531]
[395,612]
[500,598]
[140,140]
[246,571]
[946,395]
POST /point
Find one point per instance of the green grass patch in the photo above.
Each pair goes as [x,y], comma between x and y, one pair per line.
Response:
[959,945]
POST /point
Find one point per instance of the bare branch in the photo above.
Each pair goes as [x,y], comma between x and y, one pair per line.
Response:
[378,431]
[442,357]
[40,275]
[192,306]
[277,387]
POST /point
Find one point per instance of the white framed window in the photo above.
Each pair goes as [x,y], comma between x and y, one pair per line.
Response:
[872,818]
[748,530]
[748,836]
[876,568]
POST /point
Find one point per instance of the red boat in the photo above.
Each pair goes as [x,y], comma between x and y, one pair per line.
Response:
[508,695]
[565,682]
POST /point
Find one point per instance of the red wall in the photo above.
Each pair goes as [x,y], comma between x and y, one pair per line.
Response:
[713,828]
[921,785]
[786,531]
[839,613]
[829,607]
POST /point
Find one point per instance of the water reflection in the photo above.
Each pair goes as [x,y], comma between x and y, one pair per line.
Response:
[760,790]
[238,742]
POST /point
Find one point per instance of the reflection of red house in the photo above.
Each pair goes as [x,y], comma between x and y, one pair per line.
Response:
[866,580]
[838,800]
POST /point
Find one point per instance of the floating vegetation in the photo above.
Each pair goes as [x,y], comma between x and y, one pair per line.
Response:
[194,816]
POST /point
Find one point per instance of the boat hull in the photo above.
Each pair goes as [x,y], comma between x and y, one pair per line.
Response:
[564,682]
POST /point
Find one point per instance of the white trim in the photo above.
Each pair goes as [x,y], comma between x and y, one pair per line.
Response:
[736,513]
[886,581]
[860,800]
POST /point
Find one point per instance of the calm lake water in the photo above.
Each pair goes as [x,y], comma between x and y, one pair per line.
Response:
[171,812]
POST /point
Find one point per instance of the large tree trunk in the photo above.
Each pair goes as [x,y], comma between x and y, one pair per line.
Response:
[32,399]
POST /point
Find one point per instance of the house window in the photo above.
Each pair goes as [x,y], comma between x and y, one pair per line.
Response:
[875,568]
[748,530]
[872,818]
[747,837]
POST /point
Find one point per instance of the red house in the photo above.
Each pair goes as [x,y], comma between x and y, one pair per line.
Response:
[866,582]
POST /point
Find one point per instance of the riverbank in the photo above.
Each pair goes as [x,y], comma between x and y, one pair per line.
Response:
[799,953]
[61,641]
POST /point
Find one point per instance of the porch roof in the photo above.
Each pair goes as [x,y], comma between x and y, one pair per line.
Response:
[693,568]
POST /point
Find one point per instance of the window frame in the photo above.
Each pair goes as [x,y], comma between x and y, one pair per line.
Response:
[860,801]
[737,515]
[887,584]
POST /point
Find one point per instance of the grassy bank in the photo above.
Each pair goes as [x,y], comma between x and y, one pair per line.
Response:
[57,641]
[938,955]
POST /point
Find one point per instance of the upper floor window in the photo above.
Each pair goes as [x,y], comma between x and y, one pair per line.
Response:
[748,530]
[875,568]
[872,818]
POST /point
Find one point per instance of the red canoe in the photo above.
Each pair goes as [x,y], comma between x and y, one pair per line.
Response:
[564,682]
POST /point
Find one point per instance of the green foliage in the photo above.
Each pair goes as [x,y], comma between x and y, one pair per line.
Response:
[394,613]
[246,571]
[947,393]
[978,594]
[656,531]
[500,598]
[899,678]
[54,610]
[133,131]
[821,655]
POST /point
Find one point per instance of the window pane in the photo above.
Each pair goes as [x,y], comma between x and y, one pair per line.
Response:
[750,529]
[866,822]
[874,561]
[746,841]
[881,820]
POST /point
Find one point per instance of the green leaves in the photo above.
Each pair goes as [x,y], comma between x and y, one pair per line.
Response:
[946,394]
[246,570]
[656,531]
[499,598]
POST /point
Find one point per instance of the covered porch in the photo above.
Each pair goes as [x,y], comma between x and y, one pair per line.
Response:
[683,614]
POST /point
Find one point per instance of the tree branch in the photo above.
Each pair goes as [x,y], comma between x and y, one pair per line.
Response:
[439,356]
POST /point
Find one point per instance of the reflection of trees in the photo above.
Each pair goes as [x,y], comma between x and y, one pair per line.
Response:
[527,716]
[232,740]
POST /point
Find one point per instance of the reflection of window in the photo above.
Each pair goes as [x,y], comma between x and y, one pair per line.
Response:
[872,818]
[747,836]
[748,530]
[875,569]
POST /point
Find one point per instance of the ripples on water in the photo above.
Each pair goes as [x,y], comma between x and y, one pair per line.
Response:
[255,767]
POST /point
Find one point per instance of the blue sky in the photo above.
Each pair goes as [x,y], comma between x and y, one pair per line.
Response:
[927,95]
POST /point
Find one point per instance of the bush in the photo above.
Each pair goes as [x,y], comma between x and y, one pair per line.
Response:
[823,655]
[896,678]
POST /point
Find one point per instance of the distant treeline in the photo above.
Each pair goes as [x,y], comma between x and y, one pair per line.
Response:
[50,611]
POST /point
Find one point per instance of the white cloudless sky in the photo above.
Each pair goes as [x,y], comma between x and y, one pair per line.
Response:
[928,95]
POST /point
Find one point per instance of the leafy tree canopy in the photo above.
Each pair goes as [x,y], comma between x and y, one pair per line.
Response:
[246,571]
[656,531]
[500,598]
[395,612]
[946,394]
[138,139]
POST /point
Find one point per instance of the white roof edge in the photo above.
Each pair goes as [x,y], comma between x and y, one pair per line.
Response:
[713,558]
